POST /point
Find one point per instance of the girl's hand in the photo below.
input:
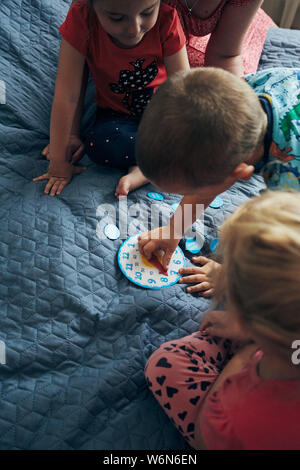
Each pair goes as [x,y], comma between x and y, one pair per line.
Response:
[202,277]
[224,324]
[75,149]
[59,176]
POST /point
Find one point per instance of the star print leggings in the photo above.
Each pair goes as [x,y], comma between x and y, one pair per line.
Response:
[111,139]
[180,373]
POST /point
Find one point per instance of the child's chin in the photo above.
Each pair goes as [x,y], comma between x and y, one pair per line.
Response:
[128,43]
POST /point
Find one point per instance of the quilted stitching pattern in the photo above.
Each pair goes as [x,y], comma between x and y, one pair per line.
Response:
[77,334]
[281,49]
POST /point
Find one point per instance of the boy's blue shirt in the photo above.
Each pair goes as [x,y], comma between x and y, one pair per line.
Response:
[279,93]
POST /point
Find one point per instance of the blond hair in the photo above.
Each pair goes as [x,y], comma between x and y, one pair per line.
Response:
[260,246]
[198,127]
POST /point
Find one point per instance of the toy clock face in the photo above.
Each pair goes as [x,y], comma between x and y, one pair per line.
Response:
[139,271]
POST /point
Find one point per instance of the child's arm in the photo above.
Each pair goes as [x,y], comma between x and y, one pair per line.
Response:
[177,62]
[224,48]
[66,100]
[167,238]
[225,324]
[79,110]
[75,146]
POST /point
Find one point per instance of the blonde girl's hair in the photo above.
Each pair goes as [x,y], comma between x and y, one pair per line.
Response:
[260,247]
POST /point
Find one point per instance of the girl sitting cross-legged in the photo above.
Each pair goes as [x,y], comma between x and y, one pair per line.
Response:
[249,399]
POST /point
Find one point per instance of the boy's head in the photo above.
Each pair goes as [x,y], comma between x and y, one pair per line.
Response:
[197,129]
[260,247]
[126,21]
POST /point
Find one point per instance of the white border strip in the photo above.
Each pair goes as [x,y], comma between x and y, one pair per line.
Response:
[2,92]
[2,353]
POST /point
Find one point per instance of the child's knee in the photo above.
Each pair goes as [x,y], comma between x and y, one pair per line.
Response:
[156,357]
[113,149]
[167,361]
[161,363]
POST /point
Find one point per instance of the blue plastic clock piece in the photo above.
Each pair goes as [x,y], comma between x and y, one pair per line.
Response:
[214,245]
[155,196]
[193,245]
[216,203]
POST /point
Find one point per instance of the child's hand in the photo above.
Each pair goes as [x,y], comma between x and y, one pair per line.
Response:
[202,276]
[59,176]
[158,239]
[75,149]
[223,324]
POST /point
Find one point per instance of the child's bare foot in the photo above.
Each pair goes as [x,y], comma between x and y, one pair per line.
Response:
[203,277]
[133,180]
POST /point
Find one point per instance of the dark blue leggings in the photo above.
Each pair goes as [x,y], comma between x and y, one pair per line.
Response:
[111,140]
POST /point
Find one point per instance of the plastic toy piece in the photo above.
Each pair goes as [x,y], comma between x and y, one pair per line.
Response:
[192,245]
[155,196]
[214,245]
[141,272]
[112,232]
[216,203]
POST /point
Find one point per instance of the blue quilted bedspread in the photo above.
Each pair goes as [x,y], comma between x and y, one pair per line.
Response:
[75,334]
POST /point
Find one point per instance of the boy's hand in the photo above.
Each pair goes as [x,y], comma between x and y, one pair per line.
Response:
[59,176]
[203,277]
[158,239]
[223,324]
[75,149]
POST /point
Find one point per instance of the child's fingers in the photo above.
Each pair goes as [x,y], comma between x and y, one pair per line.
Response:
[193,279]
[55,187]
[201,259]
[212,318]
[167,258]
[149,242]
[142,243]
[199,287]
[207,293]
[52,183]
[144,237]
[45,151]
[48,186]
[45,176]
[62,185]
[148,248]
[190,270]
[205,323]
[213,331]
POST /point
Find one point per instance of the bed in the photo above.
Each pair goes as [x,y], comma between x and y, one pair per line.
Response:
[74,333]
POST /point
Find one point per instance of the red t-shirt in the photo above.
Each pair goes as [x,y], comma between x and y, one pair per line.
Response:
[125,79]
[250,413]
